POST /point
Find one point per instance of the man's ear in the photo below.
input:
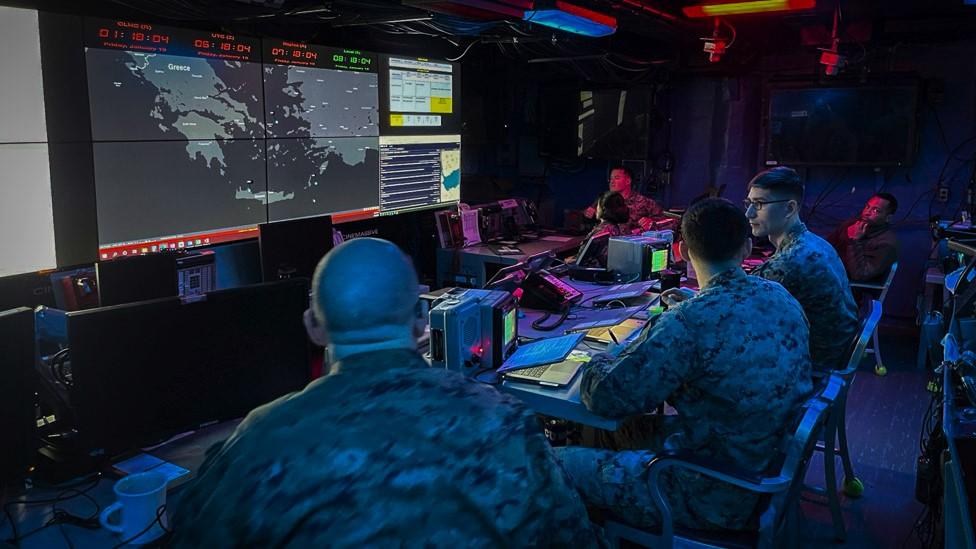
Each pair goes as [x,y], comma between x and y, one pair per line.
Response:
[683,250]
[747,248]
[794,207]
[316,331]
[419,320]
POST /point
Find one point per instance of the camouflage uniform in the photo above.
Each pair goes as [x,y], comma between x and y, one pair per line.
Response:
[640,206]
[810,269]
[387,452]
[734,362]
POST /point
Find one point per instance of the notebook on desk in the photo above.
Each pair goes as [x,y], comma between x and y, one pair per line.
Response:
[616,333]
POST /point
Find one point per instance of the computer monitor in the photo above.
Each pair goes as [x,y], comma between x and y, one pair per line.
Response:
[17,388]
[75,289]
[593,252]
[473,330]
[136,278]
[293,248]
[638,257]
[144,371]
[504,276]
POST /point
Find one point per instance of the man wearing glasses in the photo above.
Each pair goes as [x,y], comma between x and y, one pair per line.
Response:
[804,263]
[867,244]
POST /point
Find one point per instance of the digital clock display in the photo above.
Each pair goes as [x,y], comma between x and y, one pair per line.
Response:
[285,52]
[145,37]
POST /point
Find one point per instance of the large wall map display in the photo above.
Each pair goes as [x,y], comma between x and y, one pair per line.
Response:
[199,132]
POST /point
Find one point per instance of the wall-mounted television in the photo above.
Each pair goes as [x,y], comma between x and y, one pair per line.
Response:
[840,125]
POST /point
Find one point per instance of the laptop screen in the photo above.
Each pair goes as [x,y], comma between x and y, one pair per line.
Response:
[594,252]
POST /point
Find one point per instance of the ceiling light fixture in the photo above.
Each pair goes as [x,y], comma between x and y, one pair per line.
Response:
[571,18]
[753,6]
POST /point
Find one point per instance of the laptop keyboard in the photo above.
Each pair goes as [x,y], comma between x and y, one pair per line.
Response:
[535,372]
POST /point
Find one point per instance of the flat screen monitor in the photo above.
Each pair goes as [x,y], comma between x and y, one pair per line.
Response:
[17,388]
[593,253]
[136,278]
[421,96]
[419,172]
[294,248]
[855,125]
[178,125]
[26,212]
[614,123]
[323,127]
[144,371]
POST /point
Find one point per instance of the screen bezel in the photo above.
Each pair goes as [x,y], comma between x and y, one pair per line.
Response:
[911,145]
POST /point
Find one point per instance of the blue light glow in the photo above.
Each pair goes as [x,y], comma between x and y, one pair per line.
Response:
[568,22]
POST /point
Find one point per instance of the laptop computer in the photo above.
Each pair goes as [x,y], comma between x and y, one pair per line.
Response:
[545,361]
[558,374]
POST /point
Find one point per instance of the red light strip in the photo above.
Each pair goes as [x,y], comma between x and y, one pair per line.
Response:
[754,6]
[355,216]
[586,14]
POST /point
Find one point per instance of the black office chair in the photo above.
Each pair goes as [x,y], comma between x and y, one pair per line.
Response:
[781,487]
[833,442]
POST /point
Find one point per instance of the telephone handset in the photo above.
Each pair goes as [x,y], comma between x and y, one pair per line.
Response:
[545,291]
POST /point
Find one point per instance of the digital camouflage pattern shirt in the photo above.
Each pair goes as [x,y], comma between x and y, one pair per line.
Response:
[809,268]
[384,451]
[734,362]
[640,206]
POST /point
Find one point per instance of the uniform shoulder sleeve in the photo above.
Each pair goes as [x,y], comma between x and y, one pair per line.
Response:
[645,374]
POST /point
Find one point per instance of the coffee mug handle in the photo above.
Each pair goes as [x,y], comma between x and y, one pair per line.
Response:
[103,517]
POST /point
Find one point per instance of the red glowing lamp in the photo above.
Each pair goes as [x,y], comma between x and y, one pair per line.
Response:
[751,6]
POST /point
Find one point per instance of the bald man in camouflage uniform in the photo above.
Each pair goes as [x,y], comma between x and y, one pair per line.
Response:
[384,451]
[732,360]
[805,264]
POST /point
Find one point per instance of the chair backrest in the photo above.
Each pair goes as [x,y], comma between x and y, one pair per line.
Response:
[860,343]
[798,448]
[887,282]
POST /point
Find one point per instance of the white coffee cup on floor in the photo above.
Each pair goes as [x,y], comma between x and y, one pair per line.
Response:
[140,497]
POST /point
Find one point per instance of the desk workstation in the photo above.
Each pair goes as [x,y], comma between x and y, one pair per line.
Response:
[227,209]
[37,516]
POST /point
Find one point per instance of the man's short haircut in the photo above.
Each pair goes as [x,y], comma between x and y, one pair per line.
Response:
[714,229]
[614,208]
[626,170]
[890,199]
[780,180]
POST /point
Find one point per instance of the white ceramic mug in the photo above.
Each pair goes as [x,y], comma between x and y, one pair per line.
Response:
[139,498]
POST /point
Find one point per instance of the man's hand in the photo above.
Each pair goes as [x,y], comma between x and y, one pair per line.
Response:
[645,223]
[857,230]
[676,295]
[589,213]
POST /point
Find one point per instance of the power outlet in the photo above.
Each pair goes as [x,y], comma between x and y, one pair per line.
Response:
[943,194]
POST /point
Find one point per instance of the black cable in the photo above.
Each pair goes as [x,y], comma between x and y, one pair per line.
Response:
[160,511]
[538,323]
[58,516]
